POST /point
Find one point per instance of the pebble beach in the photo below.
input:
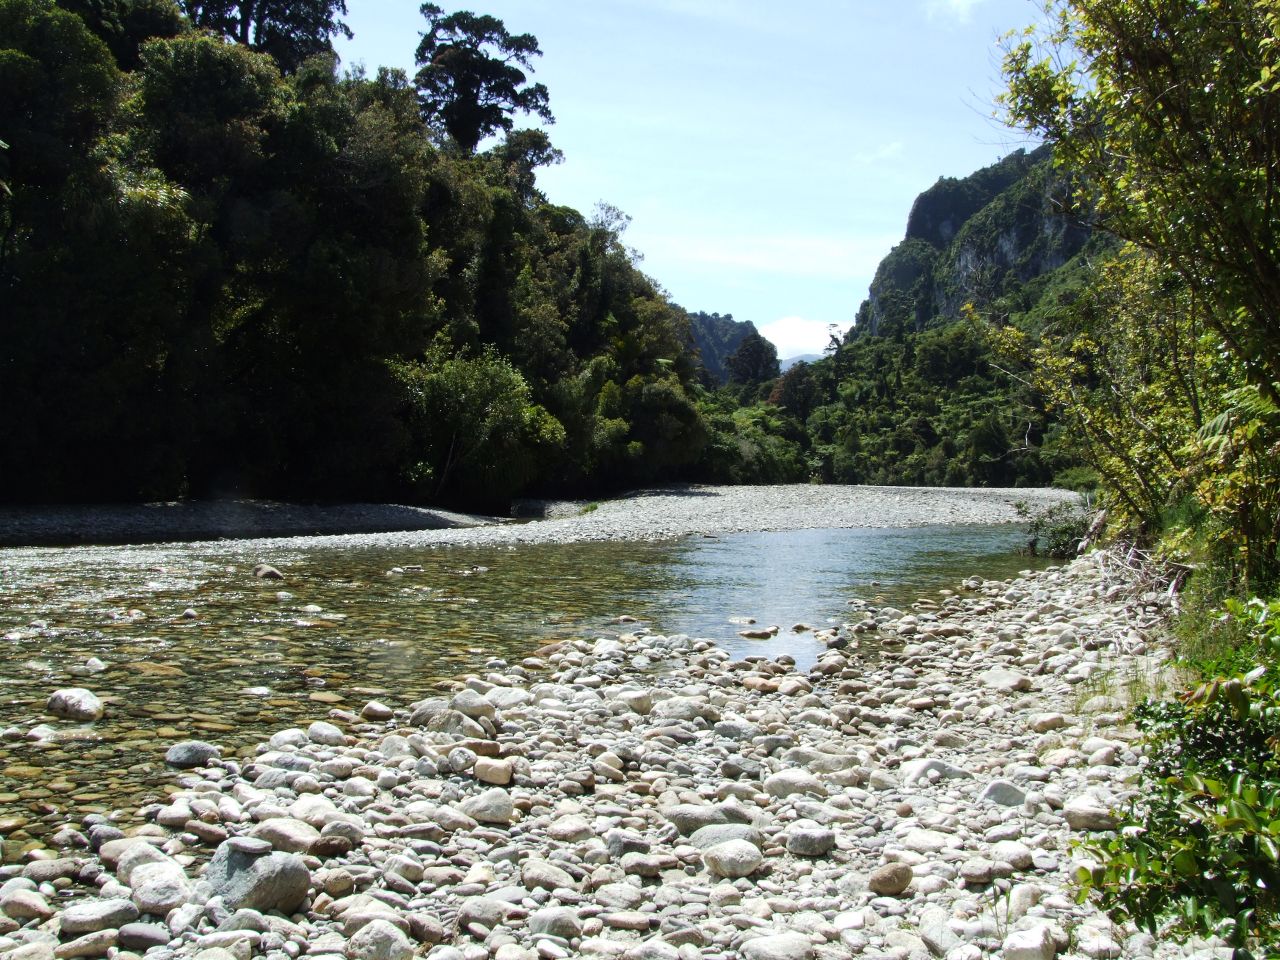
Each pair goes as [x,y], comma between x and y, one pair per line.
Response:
[646,797]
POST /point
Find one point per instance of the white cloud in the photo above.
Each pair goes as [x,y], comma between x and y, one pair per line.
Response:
[960,10]
[794,336]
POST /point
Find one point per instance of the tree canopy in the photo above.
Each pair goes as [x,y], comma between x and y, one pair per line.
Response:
[1169,111]
[289,31]
[470,82]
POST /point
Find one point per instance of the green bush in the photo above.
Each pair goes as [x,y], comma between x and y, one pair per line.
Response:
[1199,852]
[1055,531]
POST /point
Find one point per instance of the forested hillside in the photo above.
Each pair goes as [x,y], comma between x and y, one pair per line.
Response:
[914,393]
[228,268]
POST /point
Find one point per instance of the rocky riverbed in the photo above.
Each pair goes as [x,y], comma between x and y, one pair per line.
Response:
[919,803]
[657,514]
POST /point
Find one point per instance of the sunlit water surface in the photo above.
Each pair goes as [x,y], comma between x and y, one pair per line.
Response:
[196,647]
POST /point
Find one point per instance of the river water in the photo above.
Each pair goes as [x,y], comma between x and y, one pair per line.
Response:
[194,646]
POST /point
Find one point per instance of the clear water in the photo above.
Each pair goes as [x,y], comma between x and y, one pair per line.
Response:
[196,647]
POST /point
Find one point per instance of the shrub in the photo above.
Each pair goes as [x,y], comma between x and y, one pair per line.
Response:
[1200,850]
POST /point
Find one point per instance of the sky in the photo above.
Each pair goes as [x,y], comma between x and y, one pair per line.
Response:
[767,155]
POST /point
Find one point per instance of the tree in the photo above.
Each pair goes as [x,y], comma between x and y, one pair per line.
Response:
[1171,111]
[289,31]
[755,360]
[470,83]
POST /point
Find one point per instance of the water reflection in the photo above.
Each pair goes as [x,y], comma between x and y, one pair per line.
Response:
[192,645]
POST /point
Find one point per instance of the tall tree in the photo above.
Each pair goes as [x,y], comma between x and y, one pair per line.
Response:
[1171,110]
[289,31]
[470,83]
[755,360]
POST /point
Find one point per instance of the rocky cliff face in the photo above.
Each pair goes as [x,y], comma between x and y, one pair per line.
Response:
[973,241]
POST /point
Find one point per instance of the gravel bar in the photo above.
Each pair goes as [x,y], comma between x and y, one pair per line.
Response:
[654,514]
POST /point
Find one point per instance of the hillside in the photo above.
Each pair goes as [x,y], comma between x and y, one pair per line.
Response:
[973,240]
[716,337]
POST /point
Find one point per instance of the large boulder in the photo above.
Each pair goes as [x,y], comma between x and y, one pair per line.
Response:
[247,875]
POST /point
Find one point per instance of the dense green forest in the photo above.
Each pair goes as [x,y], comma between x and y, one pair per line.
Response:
[228,268]
[231,269]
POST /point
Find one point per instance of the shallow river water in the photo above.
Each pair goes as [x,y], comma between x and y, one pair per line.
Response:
[195,647]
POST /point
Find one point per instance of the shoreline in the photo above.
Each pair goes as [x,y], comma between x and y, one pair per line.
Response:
[651,514]
[921,803]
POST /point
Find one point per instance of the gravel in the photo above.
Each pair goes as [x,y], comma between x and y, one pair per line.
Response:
[654,514]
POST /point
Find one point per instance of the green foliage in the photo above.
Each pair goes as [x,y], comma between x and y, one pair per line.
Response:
[470,83]
[1168,110]
[1055,531]
[754,362]
[223,270]
[477,437]
[288,31]
[1200,850]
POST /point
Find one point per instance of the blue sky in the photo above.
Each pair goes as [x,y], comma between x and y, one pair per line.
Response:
[768,157]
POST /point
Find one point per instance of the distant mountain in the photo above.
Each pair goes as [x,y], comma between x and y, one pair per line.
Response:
[790,362]
[973,240]
[717,336]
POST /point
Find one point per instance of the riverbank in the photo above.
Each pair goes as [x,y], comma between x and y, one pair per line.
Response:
[657,514]
[645,797]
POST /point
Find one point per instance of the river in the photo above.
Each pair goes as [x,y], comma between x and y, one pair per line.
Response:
[182,641]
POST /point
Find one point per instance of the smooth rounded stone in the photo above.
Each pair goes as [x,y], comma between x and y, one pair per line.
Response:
[733,859]
[708,836]
[691,817]
[1004,680]
[647,864]
[491,806]
[571,829]
[75,703]
[890,880]
[619,896]
[376,711]
[112,851]
[636,920]
[805,838]
[473,704]
[159,887]
[927,841]
[685,708]
[25,905]
[456,724]
[379,940]
[535,874]
[326,734]
[1044,722]
[779,946]
[287,834]
[931,768]
[1003,793]
[143,936]
[486,911]
[1034,944]
[257,880]
[978,871]
[787,783]
[637,701]
[654,948]
[1017,855]
[314,809]
[191,753]
[498,771]
[265,571]
[94,944]
[1087,812]
[87,916]
[555,922]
